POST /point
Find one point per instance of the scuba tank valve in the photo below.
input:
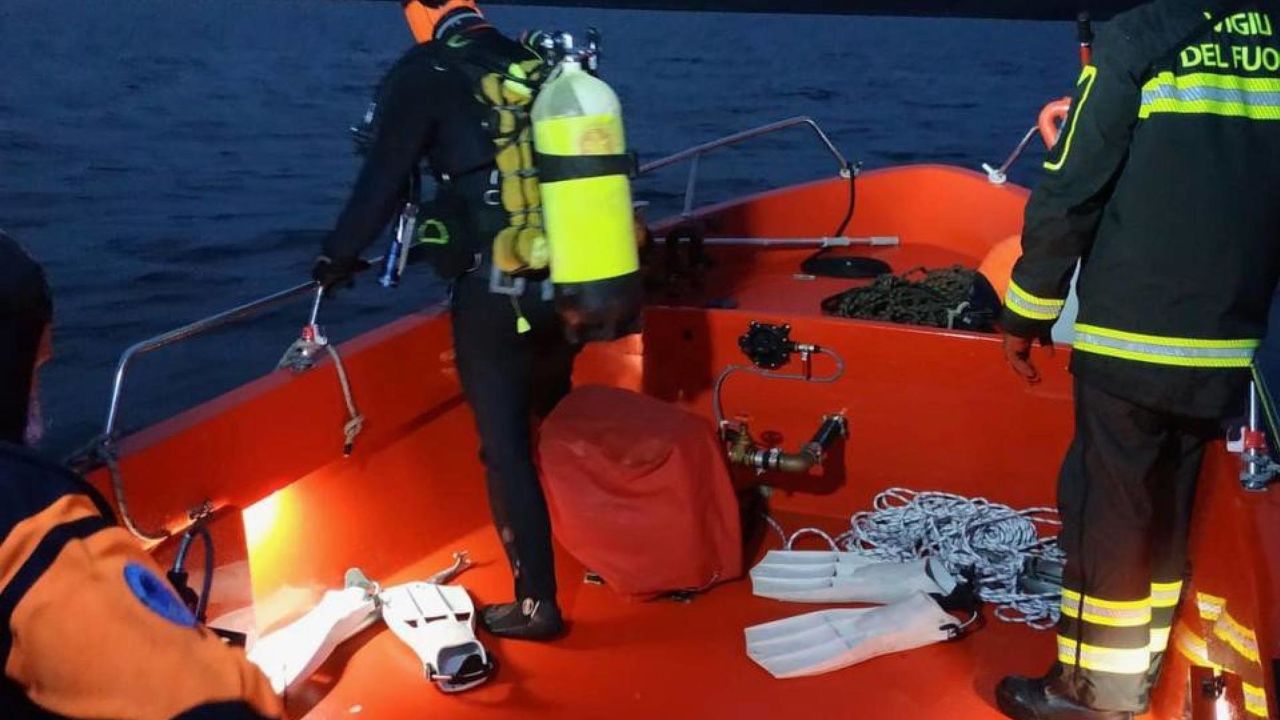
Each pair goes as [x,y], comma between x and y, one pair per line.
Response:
[555,46]
[591,59]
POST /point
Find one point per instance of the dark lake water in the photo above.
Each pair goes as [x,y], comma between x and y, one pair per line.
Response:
[167,159]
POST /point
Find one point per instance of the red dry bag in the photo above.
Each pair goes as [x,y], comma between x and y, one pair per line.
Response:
[639,492]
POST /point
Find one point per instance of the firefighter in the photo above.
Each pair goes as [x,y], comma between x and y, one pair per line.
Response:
[1165,188]
[89,627]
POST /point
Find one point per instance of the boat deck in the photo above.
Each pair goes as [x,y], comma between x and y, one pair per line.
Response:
[619,659]
[927,409]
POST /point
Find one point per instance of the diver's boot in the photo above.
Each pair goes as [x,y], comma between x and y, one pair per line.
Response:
[1023,698]
[526,619]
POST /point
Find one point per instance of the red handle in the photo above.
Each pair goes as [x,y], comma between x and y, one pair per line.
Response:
[1051,119]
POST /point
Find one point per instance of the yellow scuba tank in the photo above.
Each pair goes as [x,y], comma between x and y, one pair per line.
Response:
[584,181]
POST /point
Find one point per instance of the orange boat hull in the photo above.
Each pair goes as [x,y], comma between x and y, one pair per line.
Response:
[927,409]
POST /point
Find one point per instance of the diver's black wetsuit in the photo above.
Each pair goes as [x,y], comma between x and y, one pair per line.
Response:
[426,110]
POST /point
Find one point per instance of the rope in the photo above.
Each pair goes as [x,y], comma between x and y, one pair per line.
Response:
[301,355]
[938,298]
[990,540]
[974,537]
[355,422]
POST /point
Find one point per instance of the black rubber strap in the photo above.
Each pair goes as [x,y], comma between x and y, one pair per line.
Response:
[45,554]
[558,168]
[230,710]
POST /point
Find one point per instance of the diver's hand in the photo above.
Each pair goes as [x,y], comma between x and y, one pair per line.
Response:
[1017,352]
[336,273]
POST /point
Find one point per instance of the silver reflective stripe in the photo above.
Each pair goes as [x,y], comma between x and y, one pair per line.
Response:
[1031,310]
[1165,595]
[1030,306]
[1187,352]
[1102,612]
[1252,98]
[1255,699]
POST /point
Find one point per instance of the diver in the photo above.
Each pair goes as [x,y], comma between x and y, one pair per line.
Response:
[510,343]
[1163,188]
[89,627]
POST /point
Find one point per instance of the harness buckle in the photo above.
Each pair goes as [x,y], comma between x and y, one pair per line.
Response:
[501,283]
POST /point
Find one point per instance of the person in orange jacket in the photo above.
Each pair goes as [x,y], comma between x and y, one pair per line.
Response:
[89,627]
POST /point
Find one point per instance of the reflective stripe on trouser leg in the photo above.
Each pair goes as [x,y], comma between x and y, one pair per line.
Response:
[1164,605]
[1106,508]
[1173,482]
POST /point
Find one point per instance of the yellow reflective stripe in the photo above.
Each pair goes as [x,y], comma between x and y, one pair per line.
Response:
[1170,341]
[1097,349]
[1112,613]
[1049,303]
[1159,640]
[1087,77]
[1239,637]
[1185,352]
[1215,80]
[1249,111]
[1031,306]
[1211,94]
[1193,647]
[1098,602]
[1211,606]
[1255,699]
[1126,661]
[1164,595]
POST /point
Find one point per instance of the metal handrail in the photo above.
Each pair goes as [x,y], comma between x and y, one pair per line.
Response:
[256,307]
[199,327]
[695,153]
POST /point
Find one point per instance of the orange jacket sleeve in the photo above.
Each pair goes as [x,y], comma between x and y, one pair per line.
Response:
[92,629]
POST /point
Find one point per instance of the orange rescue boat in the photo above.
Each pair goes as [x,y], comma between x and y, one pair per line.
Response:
[930,409]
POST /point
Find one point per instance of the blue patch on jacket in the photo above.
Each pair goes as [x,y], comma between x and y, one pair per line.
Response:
[156,595]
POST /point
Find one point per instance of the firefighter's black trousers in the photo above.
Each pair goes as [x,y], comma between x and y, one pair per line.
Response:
[1125,494]
[509,378]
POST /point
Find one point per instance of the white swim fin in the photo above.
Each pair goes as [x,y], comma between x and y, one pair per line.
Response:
[831,577]
[438,623]
[296,650]
[828,640]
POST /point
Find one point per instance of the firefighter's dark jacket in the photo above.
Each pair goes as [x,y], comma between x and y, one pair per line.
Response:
[88,627]
[1165,184]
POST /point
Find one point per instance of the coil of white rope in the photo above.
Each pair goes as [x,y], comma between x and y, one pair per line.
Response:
[989,541]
